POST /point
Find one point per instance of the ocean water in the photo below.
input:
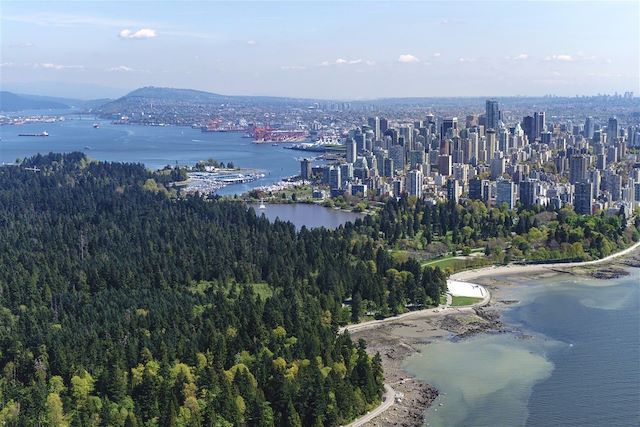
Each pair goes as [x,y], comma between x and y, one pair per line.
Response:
[153,146]
[576,362]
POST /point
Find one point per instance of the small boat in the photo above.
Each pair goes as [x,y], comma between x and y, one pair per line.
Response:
[34,134]
[274,144]
[262,205]
[96,125]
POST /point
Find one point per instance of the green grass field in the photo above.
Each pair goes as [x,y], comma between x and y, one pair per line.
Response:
[463,301]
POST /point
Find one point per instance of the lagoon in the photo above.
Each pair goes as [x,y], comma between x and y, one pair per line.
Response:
[308,215]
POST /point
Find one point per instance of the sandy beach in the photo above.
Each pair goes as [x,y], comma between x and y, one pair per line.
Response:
[398,339]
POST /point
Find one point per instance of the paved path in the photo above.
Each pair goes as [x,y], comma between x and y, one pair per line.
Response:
[387,402]
[511,269]
[389,396]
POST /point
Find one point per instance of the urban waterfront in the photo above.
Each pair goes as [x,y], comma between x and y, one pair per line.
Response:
[154,146]
[575,362]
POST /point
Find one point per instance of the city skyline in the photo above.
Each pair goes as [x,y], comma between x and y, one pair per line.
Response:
[353,50]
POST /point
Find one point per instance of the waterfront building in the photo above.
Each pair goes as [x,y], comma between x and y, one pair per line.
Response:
[306,170]
[335,177]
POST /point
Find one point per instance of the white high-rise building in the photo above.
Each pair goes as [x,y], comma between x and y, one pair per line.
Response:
[414,183]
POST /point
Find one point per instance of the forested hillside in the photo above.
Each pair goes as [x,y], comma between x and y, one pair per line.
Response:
[121,304]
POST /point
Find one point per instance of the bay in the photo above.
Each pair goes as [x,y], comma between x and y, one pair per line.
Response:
[577,364]
[154,146]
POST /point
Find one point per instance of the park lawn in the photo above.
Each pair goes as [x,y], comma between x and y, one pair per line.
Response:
[449,261]
[464,301]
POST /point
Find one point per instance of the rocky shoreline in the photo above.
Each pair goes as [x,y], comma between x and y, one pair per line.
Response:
[397,341]
[400,340]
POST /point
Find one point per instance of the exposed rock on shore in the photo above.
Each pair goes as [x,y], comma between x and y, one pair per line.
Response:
[609,273]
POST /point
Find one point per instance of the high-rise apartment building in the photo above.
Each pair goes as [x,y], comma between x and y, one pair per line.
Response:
[492,113]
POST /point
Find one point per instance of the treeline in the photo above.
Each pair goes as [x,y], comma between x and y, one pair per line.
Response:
[537,233]
[122,305]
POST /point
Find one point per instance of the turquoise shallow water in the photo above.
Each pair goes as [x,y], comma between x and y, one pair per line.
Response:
[579,364]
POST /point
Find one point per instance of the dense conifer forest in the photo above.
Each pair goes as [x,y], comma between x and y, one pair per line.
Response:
[125,303]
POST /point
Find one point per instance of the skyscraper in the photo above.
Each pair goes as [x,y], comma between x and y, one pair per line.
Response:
[305,169]
[335,179]
[492,144]
[578,167]
[374,124]
[588,128]
[447,124]
[582,198]
[529,128]
[612,130]
[539,124]
[453,190]
[352,150]
[414,183]
[505,190]
[444,164]
[492,114]
[476,189]
[527,193]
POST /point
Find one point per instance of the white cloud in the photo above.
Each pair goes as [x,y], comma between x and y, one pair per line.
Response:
[52,66]
[560,58]
[521,57]
[342,61]
[21,45]
[407,58]
[251,42]
[67,20]
[462,59]
[121,68]
[143,33]
[436,55]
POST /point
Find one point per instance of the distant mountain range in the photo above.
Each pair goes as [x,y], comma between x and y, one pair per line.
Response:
[10,101]
[13,102]
[163,96]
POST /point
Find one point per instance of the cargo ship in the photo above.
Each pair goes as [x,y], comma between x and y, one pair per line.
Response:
[34,134]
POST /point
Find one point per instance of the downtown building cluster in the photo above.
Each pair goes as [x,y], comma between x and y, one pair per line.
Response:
[532,161]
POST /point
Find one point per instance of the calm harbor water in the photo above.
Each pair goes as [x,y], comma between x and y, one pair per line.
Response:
[153,146]
[578,365]
[310,216]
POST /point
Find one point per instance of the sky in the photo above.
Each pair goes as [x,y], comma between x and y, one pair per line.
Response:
[329,50]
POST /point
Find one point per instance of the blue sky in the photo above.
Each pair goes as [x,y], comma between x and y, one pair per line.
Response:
[346,50]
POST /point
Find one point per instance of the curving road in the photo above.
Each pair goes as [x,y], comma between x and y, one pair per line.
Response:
[387,402]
